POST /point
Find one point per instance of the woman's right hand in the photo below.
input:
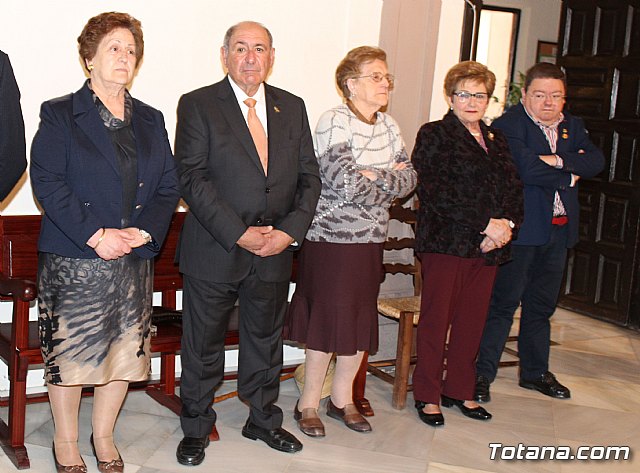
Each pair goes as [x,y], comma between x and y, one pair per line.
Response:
[499,231]
[111,244]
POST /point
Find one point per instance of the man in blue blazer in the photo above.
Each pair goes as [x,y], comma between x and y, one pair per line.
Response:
[251,199]
[552,152]
[13,155]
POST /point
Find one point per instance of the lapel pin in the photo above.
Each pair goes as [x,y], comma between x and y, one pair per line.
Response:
[565,134]
[276,109]
[490,135]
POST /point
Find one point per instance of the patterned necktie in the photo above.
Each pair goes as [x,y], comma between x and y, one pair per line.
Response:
[257,133]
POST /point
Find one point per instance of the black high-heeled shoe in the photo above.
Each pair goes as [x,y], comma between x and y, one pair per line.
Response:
[434,420]
[113,466]
[67,469]
[478,413]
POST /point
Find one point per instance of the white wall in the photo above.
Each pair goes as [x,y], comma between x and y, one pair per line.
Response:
[182,43]
[448,54]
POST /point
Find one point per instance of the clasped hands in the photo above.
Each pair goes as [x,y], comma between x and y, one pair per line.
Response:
[113,243]
[264,241]
[497,234]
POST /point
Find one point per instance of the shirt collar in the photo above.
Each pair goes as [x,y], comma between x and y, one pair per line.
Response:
[539,123]
[241,96]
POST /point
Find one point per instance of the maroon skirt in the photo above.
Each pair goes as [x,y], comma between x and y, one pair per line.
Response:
[334,306]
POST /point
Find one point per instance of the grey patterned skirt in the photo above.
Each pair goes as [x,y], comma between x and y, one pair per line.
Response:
[94,318]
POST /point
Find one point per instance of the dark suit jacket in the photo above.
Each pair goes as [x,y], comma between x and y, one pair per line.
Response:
[13,155]
[74,175]
[224,184]
[527,142]
[461,187]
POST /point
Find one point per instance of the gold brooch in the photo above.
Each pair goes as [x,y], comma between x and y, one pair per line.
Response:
[276,109]
[565,134]
[490,135]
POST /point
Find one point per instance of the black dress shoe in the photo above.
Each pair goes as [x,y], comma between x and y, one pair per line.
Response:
[547,384]
[482,393]
[191,450]
[434,420]
[278,439]
[478,413]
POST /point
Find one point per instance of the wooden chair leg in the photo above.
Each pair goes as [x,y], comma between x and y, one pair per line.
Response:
[403,360]
[360,380]
[12,435]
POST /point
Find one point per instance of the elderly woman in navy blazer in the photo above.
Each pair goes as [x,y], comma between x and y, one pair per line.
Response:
[103,172]
[470,203]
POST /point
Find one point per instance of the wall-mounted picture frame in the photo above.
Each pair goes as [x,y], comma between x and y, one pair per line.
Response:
[546,52]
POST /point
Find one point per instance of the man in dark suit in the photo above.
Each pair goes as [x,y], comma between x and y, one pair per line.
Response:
[13,156]
[249,204]
[552,151]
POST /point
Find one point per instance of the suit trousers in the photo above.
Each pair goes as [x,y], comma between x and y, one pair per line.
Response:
[455,298]
[533,278]
[207,307]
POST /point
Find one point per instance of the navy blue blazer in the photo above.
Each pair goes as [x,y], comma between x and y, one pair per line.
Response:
[13,155]
[74,176]
[527,142]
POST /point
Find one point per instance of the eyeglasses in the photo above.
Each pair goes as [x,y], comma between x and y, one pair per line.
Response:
[378,76]
[464,97]
[540,97]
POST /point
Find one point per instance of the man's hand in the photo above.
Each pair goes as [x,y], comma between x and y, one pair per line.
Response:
[277,242]
[550,159]
[254,238]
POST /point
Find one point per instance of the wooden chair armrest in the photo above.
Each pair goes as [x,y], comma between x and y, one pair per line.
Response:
[18,289]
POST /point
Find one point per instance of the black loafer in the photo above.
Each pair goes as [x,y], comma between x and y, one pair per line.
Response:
[191,450]
[482,393]
[278,439]
[478,413]
[548,385]
[434,420]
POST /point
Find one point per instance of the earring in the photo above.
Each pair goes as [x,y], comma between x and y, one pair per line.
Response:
[90,67]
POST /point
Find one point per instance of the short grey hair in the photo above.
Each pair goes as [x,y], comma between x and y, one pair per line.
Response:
[231,30]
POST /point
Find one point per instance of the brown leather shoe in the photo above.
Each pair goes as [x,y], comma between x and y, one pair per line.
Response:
[113,466]
[364,407]
[350,416]
[309,422]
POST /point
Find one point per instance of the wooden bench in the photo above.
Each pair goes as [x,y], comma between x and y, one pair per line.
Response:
[19,341]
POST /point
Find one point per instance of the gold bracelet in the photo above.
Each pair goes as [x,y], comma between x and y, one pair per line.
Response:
[104,230]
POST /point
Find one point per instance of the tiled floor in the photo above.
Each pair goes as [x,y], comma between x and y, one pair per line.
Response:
[598,361]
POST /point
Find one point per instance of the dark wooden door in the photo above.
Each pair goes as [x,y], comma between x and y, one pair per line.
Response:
[599,48]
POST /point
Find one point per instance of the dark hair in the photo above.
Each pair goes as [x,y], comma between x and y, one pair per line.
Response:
[101,25]
[350,65]
[231,30]
[471,71]
[544,70]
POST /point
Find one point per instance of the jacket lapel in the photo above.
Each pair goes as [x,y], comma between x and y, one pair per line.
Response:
[233,115]
[88,120]
[142,123]
[275,122]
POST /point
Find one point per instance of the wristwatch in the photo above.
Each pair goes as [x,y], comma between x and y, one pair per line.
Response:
[146,235]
